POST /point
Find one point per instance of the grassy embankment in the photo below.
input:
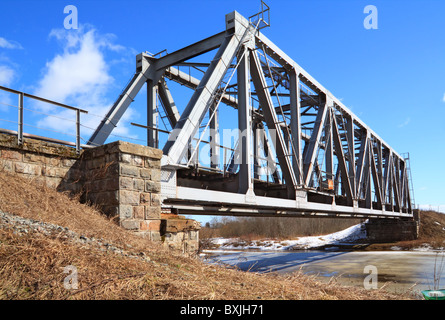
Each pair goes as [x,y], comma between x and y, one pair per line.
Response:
[32,263]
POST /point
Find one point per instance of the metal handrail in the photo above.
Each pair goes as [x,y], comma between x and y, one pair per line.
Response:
[21,95]
[262,16]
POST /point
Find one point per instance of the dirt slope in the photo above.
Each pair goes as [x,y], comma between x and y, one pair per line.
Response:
[42,232]
[431,235]
[432,228]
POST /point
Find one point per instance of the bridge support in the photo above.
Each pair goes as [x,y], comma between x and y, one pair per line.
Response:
[392,230]
[121,178]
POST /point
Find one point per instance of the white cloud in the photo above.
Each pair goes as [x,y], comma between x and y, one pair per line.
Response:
[80,73]
[8,44]
[405,123]
[80,77]
[7,75]
[7,72]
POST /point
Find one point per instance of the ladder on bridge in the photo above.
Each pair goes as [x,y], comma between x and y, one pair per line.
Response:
[410,178]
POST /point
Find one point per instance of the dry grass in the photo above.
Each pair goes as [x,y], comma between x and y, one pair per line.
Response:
[431,233]
[432,227]
[32,268]
[28,199]
[32,265]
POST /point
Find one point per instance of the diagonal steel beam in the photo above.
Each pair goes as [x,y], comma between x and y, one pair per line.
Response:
[168,103]
[395,181]
[268,151]
[361,162]
[191,51]
[261,142]
[314,143]
[389,181]
[366,180]
[111,119]
[379,165]
[260,84]
[385,171]
[200,101]
[329,149]
[285,61]
[191,82]
[341,160]
[350,136]
[376,178]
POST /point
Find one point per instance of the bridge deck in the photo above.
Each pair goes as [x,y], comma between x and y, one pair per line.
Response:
[201,191]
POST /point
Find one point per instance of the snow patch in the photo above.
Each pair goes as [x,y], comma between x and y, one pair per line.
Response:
[347,236]
[424,247]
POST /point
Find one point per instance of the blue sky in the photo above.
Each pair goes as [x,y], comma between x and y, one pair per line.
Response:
[392,78]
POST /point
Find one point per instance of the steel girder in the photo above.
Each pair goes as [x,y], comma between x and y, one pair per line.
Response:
[320,157]
[265,100]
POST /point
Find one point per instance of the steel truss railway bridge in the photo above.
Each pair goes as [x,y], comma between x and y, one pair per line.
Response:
[298,150]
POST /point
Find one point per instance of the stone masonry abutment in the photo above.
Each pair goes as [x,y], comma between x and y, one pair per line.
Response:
[122,178]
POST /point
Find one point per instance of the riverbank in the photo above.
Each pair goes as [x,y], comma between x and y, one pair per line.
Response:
[431,238]
[349,237]
[399,272]
[404,267]
[43,232]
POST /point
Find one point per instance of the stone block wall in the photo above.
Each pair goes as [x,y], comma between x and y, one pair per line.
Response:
[180,233]
[44,162]
[122,178]
[385,230]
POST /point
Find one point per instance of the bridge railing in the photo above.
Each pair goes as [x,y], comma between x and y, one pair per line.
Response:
[262,18]
[20,119]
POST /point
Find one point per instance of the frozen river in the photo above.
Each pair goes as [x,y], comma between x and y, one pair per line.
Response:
[398,271]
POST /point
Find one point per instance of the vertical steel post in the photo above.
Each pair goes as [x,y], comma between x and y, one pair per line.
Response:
[295,124]
[225,160]
[379,170]
[367,175]
[351,154]
[20,121]
[329,155]
[256,150]
[244,125]
[77,131]
[151,113]
[214,136]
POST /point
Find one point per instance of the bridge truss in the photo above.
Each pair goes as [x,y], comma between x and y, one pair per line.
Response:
[298,152]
